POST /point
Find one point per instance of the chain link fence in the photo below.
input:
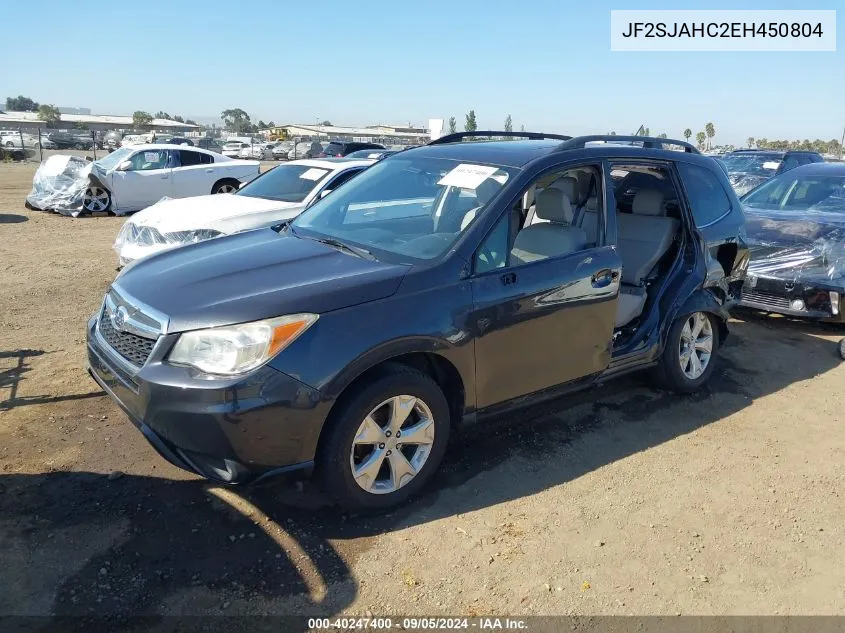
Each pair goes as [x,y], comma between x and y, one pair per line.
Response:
[36,144]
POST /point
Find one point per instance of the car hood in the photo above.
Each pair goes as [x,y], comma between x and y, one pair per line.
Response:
[205,212]
[806,244]
[254,275]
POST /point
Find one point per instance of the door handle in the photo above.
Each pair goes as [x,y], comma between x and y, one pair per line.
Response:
[209,170]
[603,278]
[508,279]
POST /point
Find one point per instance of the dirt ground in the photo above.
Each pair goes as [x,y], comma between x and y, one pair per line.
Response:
[622,500]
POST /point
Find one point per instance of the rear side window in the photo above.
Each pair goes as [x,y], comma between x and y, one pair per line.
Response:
[705,193]
[188,158]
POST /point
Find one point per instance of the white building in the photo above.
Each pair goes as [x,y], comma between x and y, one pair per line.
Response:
[29,120]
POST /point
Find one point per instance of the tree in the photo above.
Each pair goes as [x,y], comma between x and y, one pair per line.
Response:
[271,124]
[700,137]
[141,120]
[191,122]
[687,134]
[178,119]
[262,125]
[470,125]
[613,134]
[49,113]
[236,120]
[710,130]
[663,135]
[750,141]
[521,128]
[21,104]
[326,123]
[161,114]
[453,125]
[508,124]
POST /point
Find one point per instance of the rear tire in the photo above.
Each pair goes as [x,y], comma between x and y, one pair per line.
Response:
[227,185]
[398,399]
[690,354]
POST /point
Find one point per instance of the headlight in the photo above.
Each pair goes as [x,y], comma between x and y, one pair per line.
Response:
[236,349]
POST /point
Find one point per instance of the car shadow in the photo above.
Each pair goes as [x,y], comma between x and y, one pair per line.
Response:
[12,218]
[11,376]
[92,544]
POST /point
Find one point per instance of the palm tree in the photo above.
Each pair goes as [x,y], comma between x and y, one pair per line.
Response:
[710,130]
[750,140]
[700,137]
[687,134]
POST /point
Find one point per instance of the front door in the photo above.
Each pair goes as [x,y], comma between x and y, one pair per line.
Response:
[145,182]
[543,323]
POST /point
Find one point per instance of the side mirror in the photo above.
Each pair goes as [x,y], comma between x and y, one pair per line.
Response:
[325,192]
[125,165]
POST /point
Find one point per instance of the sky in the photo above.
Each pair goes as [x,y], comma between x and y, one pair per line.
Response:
[547,63]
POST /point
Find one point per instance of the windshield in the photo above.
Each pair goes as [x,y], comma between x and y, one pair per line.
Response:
[115,158]
[414,207]
[799,193]
[285,183]
[756,164]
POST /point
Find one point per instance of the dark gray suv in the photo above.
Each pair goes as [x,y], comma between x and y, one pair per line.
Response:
[442,285]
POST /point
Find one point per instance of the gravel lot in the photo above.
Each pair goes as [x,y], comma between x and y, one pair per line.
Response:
[622,500]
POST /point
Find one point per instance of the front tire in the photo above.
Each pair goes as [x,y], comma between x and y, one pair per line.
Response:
[689,357]
[96,200]
[384,443]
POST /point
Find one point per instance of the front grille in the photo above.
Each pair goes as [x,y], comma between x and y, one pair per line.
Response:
[765,298]
[136,349]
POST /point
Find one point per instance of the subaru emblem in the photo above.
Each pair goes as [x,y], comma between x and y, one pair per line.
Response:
[118,318]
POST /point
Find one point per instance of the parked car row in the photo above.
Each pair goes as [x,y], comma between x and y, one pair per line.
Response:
[283,320]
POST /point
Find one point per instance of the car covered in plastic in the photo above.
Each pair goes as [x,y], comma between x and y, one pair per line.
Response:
[749,168]
[277,195]
[132,178]
[796,238]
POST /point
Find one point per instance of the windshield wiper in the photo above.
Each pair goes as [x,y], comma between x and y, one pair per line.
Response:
[355,250]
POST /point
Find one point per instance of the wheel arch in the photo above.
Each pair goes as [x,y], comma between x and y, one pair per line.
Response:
[226,179]
[423,358]
[708,300]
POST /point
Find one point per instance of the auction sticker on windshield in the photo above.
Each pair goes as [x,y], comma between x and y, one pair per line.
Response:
[313,174]
[467,176]
[771,164]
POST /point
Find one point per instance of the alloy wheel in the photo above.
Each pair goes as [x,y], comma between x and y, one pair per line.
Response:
[696,345]
[392,444]
[226,188]
[95,199]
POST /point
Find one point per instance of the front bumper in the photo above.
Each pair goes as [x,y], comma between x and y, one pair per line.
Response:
[233,431]
[772,294]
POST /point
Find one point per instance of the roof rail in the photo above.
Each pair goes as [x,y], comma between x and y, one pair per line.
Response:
[458,136]
[647,141]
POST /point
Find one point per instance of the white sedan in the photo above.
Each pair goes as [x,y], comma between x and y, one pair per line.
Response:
[258,151]
[133,178]
[279,194]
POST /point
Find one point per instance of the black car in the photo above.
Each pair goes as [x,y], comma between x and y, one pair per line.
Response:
[344,148]
[211,144]
[748,168]
[177,140]
[446,284]
[796,238]
[64,140]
